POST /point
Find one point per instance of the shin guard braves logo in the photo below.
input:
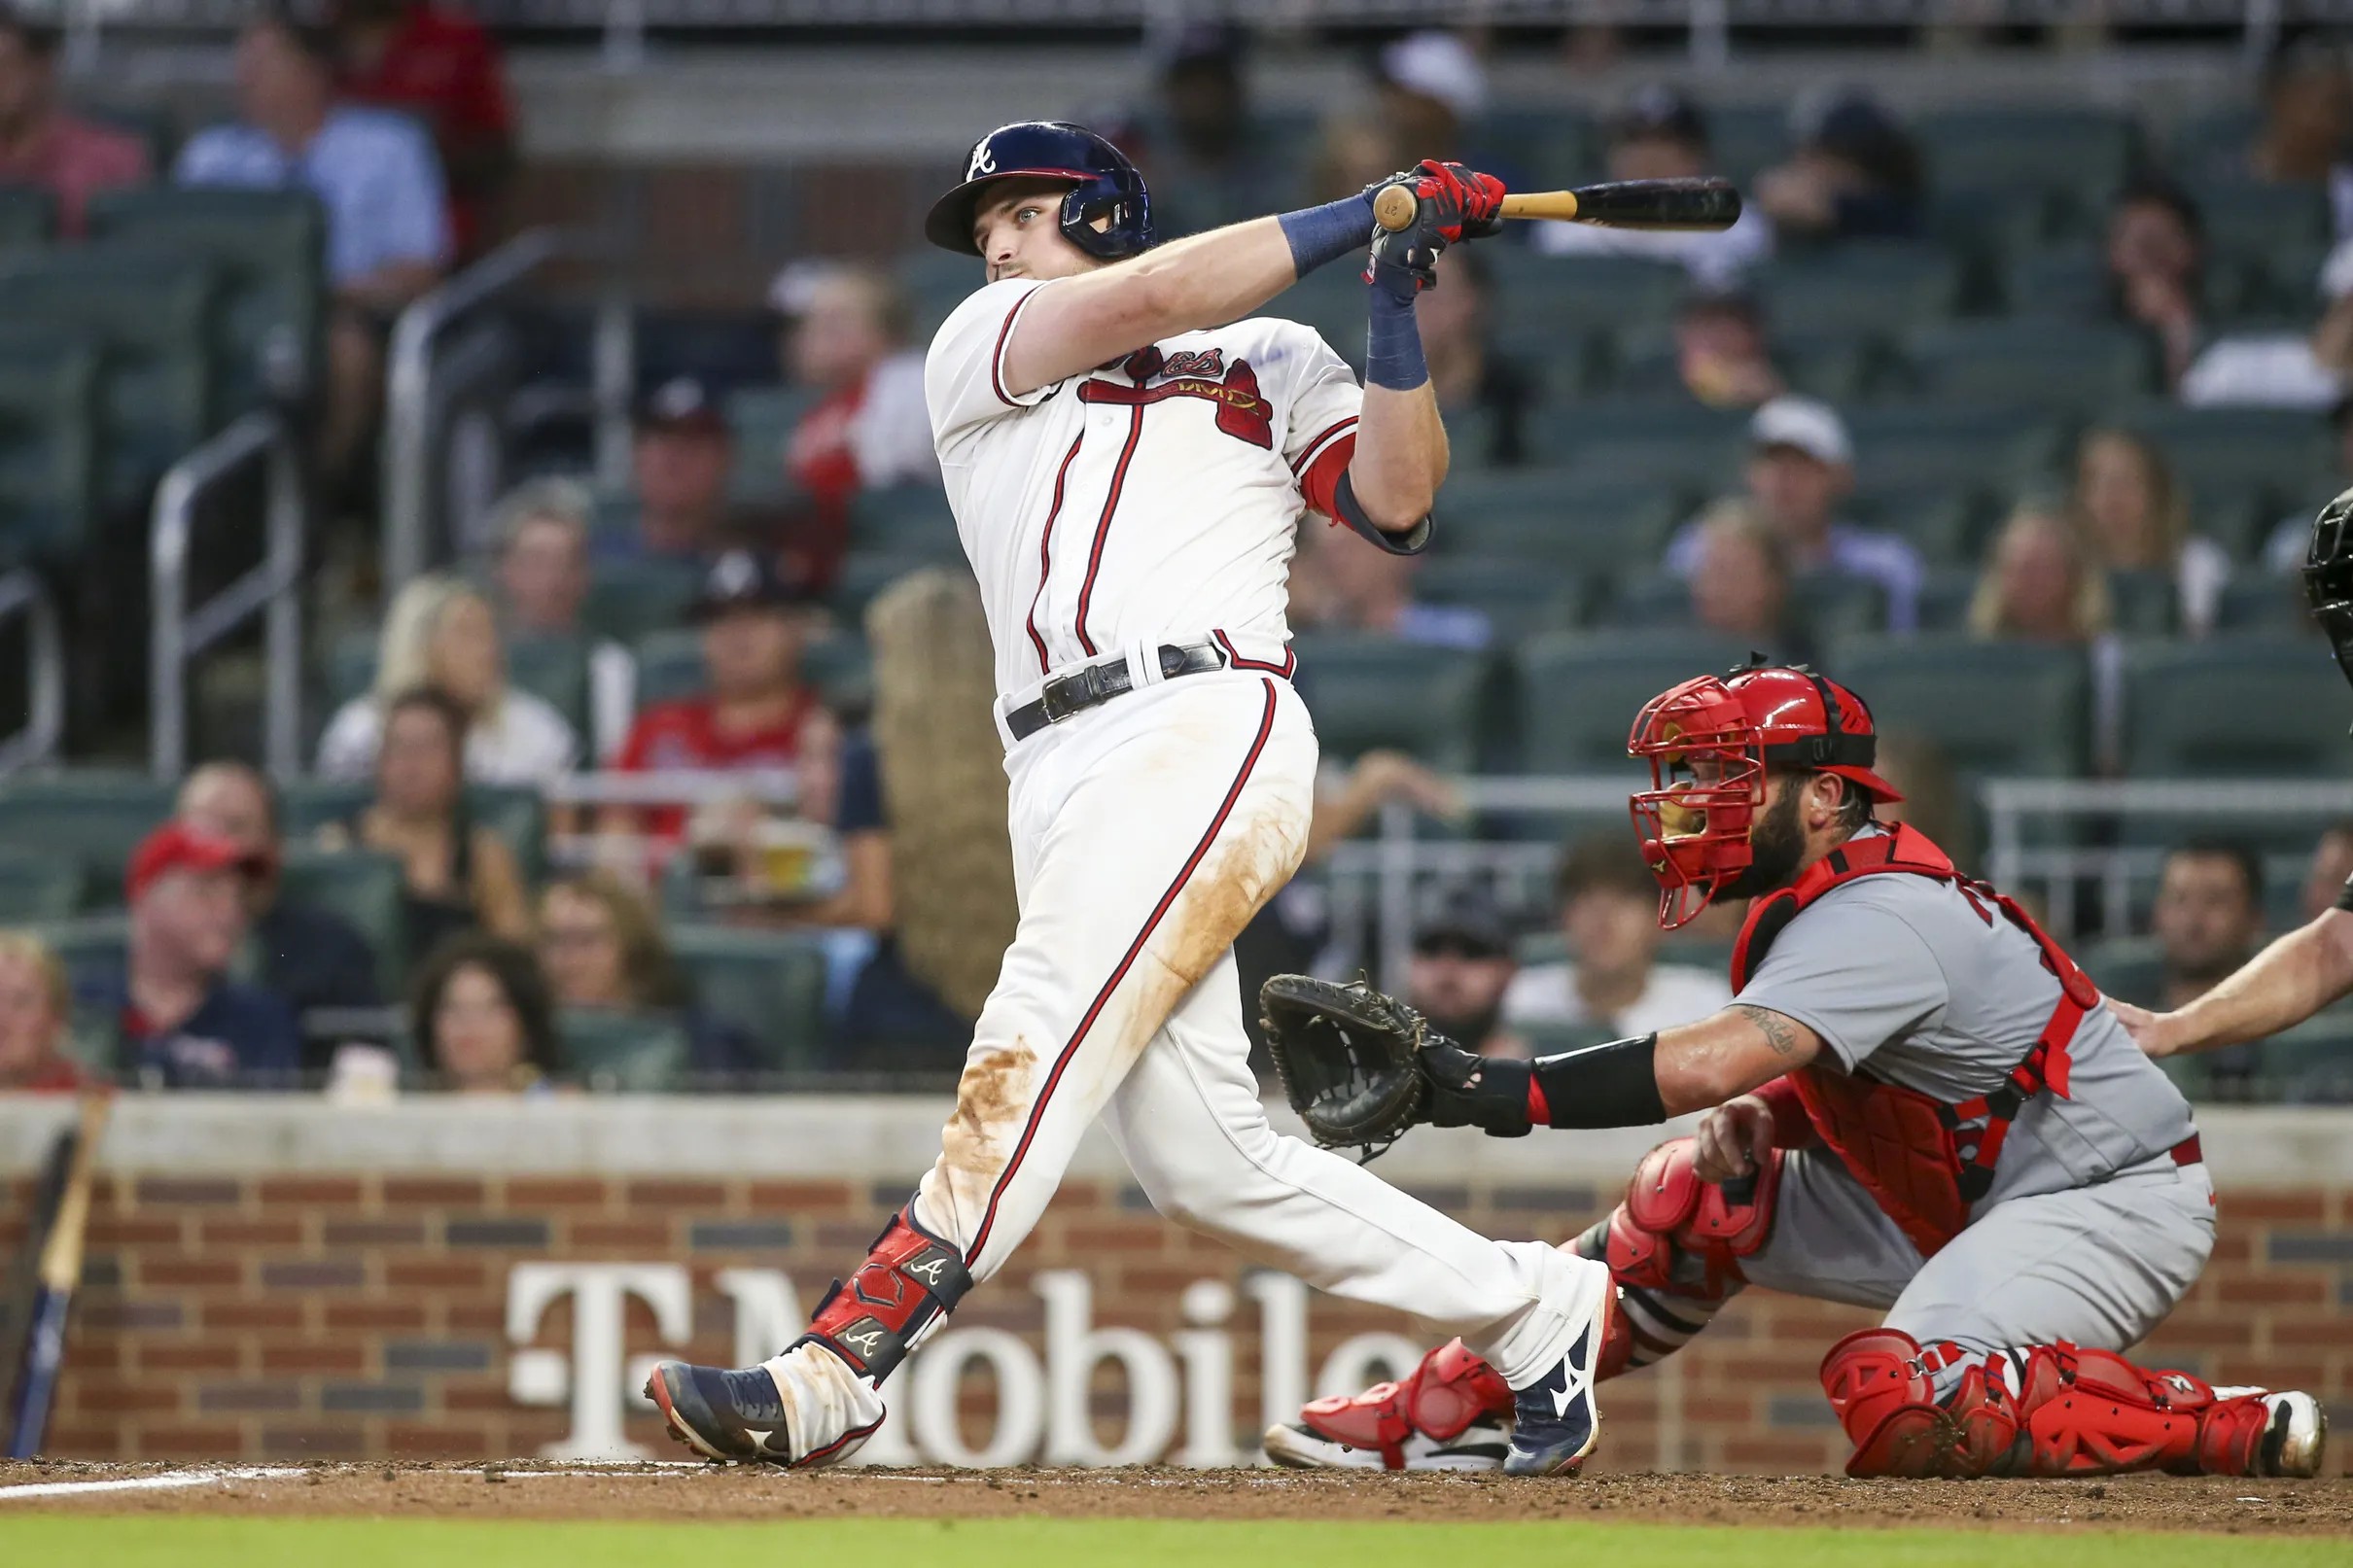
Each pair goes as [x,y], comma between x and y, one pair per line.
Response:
[1242,412]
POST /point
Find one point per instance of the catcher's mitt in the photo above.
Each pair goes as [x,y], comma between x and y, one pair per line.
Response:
[1347,1057]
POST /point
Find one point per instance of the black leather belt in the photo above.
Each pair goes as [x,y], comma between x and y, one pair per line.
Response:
[1097,683]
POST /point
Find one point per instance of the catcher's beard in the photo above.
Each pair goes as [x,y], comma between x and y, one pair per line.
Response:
[1775,846]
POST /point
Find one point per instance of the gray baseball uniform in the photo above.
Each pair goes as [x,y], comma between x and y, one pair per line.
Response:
[2090,1232]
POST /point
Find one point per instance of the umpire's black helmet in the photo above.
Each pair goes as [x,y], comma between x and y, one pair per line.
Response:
[1103,184]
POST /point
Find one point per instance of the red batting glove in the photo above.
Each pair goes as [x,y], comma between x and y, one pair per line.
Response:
[1467,204]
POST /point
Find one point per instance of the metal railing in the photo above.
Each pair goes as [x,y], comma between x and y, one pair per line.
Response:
[272,589]
[23,593]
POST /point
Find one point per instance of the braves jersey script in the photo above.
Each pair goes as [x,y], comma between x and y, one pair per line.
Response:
[1910,982]
[1152,500]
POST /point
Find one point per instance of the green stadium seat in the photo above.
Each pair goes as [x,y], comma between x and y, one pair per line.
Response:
[1547,148]
[2309,1064]
[865,574]
[763,419]
[2148,604]
[669,667]
[1990,225]
[1945,523]
[1835,366]
[2254,217]
[2069,283]
[2278,453]
[622,1052]
[348,669]
[1553,518]
[1518,602]
[1960,445]
[516,814]
[2082,153]
[1744,139]
[1331,301]
[1367,691]
[308,804]
[2257,602]
[629,598]
[269,247]
[513,812]
[555,670]
[95,951]
[936,283]
[2051,367]
[50,448]
[1879,285]
[1991,708]
[910,519]
[1579,692]
[28,217]
[2234,706]
[1676,444]
[2129,968]
[94,816]
[769,983]
[38,884]
[841,666]
[363,887]
[1944,597]
[1558,300]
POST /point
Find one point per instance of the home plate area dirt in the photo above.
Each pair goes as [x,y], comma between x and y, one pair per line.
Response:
[528,1490]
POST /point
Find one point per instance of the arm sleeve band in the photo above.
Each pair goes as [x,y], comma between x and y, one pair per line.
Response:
[1326,233]
[1393,343]
[1613,1085]
[1345,507]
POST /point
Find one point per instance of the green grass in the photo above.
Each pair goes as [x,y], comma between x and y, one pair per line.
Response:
[201,1542]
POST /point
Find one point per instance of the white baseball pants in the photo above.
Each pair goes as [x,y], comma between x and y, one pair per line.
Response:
[1146,832]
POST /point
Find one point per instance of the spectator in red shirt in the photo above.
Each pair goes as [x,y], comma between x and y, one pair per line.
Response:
[42,146]
[442,66]
[34,1007]
[757,713]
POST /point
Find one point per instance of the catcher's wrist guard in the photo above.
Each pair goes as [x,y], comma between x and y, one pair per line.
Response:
[1610,1085]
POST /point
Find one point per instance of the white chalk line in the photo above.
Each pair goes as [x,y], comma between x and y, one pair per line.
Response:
[168,1482]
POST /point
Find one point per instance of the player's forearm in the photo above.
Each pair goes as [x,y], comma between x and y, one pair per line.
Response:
[1401,456]
[1729,1053]
[2279,988]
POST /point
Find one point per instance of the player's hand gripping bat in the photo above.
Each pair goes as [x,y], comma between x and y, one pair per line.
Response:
[1657,205]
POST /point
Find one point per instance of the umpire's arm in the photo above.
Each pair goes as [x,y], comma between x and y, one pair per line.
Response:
[2279,988]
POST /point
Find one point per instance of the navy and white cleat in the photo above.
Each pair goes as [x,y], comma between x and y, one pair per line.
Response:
[732,1416]
[1556,1421]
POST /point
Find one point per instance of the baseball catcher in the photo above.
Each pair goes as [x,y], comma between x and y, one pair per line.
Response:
[1915,1102]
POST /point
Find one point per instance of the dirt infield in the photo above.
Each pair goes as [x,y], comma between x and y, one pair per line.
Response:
[527,1489]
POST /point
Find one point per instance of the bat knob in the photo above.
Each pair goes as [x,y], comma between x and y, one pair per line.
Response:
[1396,207]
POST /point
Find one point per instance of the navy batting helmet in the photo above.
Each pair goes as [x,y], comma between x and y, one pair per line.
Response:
[1102,183]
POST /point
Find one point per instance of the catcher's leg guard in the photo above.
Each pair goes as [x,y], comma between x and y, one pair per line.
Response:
[1439,1399]
[910,1280]
[2095,1413]
[1881,1386]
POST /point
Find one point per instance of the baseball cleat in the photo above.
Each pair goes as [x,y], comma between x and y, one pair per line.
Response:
[2292,1443]
[803,1410]
[1556,1421]
[1481,1445]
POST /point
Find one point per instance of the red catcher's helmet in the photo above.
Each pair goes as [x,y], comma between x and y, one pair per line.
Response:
[1708,742]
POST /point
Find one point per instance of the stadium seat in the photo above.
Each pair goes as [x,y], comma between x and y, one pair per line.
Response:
[629,598]
[2309,1064]
[1744,139]
[1676,444]
[1367,691]
[2130,968]
[513,812]
[1557,300]
[268,248]
[1517,601]
[2252,217]
[1879,286]
[1946,523]
[865,574]
[841,666]
[669,667]
[555,670]
[1543,148]
[936,282]
[28,217]
[2083,153]
[307,805]
[769,983]
[95,951]
[94,816]
[2234,706]
[38,884]
[908,519]
[1991,708]
[363,887]
[763,419]
[2278,453]
[2148,604]
[348,668]
[622,1052]
[1961,445]
[2056,367]
[49,452]
[1552,518]
[2259,603]
[1945,598]
[516,814]
[2067,283]
[1578,693]
[1836,367]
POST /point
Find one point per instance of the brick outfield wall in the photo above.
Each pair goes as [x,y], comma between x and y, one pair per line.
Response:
[317,1316]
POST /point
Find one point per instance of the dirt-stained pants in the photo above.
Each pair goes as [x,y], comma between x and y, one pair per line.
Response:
[1146,832]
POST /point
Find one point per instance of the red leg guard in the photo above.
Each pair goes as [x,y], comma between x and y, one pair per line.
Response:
[1438,1399]
[910,1280]
[1677,1233]
[2094,1413]
[1880,1384]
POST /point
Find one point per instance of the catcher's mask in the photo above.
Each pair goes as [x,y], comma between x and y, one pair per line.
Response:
[2328,576]
[1710,742]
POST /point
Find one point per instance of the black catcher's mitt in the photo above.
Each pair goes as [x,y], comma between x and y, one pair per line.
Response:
[1347,1056]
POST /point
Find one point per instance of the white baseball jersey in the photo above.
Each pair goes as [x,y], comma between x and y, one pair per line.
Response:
[1154,499]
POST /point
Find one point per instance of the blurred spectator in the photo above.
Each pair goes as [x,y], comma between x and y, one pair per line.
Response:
[2157,265]
[756,712]
[846,339]
[1800,467]
[2284,549]
[1659,135]
[2307,123]
[1855,175]
[36,1012]
[483,1018]
[1205,166]
[442,66]
[2283,367]
[1478,389]
[374,171]
[2331,870]
[182,1021]
[2208,918]
[1613,983]
[1340,583]
[1462,966]
[2137,519]
[441,635]
[1739,581]
[680,460]
[1721,355]
[2043,583]
[1427,85]
[455,874]
[1934,801]
[542,530]
[310,955]
[601,946]
[43,146]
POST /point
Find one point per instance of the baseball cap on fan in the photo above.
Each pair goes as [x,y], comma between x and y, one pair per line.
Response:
[684,406]
[178,847]
[1437,65]
[1804,425]
[1466,922]
[1659,113]
[740,580]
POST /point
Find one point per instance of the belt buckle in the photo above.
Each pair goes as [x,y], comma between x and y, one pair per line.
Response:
[1064,695]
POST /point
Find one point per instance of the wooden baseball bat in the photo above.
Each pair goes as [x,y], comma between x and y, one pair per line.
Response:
[1654,204]
[60,1273]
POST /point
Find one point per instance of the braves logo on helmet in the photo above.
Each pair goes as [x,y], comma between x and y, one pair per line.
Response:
[1105,210]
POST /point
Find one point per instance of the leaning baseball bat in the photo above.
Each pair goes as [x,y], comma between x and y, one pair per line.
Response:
[60,1271]
[1702,204]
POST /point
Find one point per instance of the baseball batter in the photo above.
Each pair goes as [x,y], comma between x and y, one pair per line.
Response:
[1128,451]
[1919,1106]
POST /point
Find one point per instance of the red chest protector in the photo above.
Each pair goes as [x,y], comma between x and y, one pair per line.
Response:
[1905,1147]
